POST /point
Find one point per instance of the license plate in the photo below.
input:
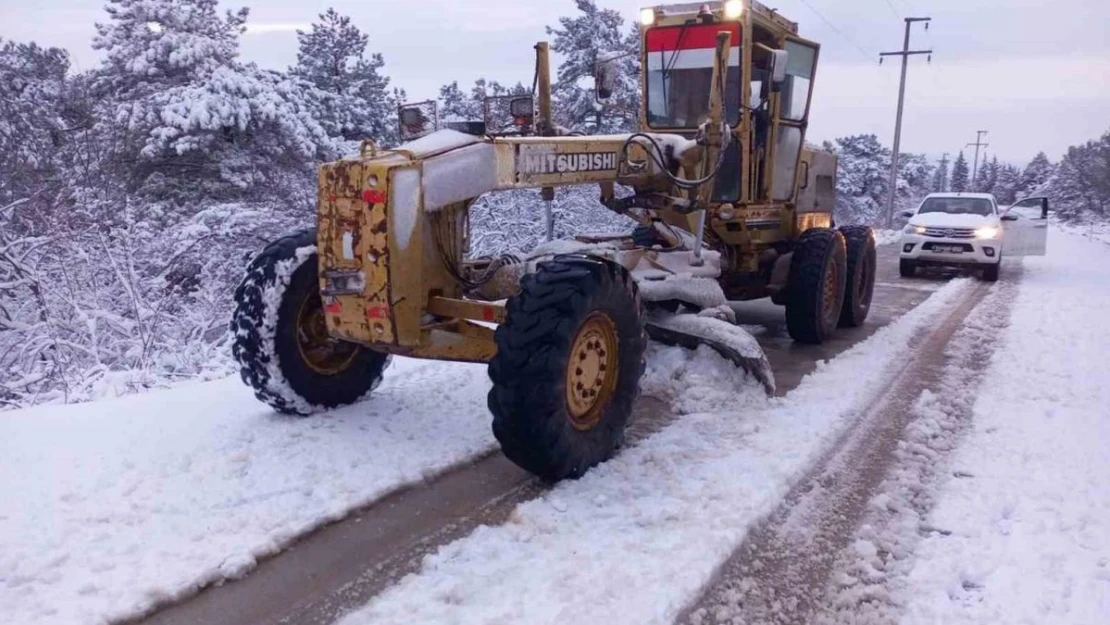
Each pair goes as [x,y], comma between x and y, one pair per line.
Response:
[949,249]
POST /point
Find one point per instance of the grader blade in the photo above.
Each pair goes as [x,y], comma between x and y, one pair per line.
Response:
[729,340]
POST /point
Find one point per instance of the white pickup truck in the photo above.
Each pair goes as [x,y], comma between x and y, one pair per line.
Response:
[969,230]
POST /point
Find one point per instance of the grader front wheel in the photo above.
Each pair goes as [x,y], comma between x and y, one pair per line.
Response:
[568,366]
[281,340]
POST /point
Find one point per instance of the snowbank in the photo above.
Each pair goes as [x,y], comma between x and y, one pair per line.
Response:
[111,506]
[1024,525]
[637,537]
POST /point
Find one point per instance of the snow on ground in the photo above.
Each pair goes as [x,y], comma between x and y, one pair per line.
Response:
[636,538]
[1024,526]
[111,506]
[887,237]
[1091,230]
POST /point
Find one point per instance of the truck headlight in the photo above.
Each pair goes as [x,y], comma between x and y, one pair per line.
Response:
[989,232]
[733,9]
[647,17]
[912,229]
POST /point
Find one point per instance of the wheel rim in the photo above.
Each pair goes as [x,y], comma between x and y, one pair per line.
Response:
[829,292]
[322,353]
[591,370]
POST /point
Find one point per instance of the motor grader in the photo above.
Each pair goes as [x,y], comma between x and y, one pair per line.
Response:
[730,205]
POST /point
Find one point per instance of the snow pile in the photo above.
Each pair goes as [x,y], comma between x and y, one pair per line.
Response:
[638,536]
[1024,523]
[887,237]
[702,292]
[113,506]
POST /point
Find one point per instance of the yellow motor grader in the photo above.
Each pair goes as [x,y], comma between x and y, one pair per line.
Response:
[730,205]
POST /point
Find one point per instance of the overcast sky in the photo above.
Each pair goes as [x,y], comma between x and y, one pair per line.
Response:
[1035,73]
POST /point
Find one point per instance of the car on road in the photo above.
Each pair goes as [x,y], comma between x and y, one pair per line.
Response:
[967,230]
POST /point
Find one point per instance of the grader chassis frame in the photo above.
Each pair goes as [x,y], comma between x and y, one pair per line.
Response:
[730,206]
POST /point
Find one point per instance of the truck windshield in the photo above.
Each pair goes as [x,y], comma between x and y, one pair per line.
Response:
[680,72]
[957,206]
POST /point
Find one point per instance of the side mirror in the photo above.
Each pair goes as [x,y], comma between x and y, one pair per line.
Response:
[778,68]
[906,214]
[1044,208]
[1008,217]
[605,79]
[417,119]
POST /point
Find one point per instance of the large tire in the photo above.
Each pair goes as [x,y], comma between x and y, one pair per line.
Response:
[990,272]
[278,340]
[860,285]
[907,268]
[817,276]
[571,308]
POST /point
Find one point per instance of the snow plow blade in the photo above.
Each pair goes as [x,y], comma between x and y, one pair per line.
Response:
[729,340]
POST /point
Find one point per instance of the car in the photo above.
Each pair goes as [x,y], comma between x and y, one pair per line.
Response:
[967,230]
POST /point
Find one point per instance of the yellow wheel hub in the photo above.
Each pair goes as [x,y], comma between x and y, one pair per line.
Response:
[591,370]
[322,353]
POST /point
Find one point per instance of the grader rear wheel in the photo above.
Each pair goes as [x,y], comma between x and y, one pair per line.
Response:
[569,359]
[816,291]
[281,339]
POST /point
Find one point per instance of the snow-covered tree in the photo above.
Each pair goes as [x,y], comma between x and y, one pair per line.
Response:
[940,176]
[333,57]
[1080,185]
[988,176]
[32,124]
[959,174]
[862,180]
[1036,173]
[189,119]
[1009,184]
[595,34]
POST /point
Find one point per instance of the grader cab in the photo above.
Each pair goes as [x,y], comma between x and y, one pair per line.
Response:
[730,205]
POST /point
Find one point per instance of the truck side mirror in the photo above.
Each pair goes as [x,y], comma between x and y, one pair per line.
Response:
[605,79]
[907,214]
[778,68]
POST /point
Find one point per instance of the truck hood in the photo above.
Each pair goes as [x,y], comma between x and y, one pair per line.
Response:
[949,220]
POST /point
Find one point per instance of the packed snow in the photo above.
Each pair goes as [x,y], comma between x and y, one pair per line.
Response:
[113,506]
[1023,521]
[637,537]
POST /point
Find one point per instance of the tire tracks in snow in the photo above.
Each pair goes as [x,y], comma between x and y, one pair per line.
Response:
[780,574]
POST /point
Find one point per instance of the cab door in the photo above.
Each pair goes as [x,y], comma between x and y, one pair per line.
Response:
[1025,227]
[792,116]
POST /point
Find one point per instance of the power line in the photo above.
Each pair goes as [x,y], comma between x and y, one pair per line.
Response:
[836,30]
[893,10]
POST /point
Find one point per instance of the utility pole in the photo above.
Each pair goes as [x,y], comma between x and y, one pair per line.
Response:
[978,143]
[905,54]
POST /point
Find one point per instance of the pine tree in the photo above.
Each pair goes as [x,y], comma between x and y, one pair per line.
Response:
[988,176]
[1080,185]
[333,58]
[186,120]
[1036,173]
[863,168]
[940,175]
[32,124]
[959,174]
[150,45]
[1009,182]
[595,34]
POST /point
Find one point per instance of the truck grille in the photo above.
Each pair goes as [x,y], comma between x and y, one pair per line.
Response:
[950,233]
